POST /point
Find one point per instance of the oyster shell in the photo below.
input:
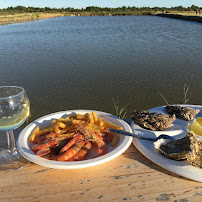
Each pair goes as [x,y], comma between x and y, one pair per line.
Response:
[152,121]
[194,157]
[189,147]
[185,113]
[175,149]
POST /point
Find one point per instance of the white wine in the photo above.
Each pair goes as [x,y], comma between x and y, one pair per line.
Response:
[11,121]
[14,110]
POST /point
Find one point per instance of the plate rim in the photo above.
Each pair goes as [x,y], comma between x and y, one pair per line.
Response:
[23,147]
[183,169]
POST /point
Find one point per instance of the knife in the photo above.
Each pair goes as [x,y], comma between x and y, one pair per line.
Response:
[122,132]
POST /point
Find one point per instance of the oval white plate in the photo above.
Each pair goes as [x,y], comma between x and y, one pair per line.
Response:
[23,143]
[182,168]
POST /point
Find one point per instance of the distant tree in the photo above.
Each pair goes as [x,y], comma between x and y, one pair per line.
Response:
[97,10]
[193,7]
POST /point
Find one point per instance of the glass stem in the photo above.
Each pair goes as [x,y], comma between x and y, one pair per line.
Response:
[11,142]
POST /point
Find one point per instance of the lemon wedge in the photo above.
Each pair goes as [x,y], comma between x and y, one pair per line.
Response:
[196,128]
[199,120]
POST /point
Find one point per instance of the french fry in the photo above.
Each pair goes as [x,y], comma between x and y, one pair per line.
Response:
[108,124]
[66,121]
[66,135]
[72,116]
[80,117]
[53,122]
[94,128]
[78,121]
[62,120]
[46,129]
[69,122]
[34,134]
[61,125]
[56,128]
[89,117]
[100,122]
[95,117]
[115,141]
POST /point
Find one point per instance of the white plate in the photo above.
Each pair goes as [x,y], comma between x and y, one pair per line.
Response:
[182,168]
[24,145]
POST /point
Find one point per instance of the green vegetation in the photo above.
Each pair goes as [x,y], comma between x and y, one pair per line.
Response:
[185,99]
[120,111]
[187,95]
[93,10]
[23,14]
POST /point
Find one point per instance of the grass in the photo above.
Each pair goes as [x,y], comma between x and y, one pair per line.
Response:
[7,18]
[187,13]
[120,111]
[186,97]
[22,17]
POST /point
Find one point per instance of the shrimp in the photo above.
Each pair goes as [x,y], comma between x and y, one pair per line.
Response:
[48,143]
[102,146]
[72,141]
[44,136]
[43,152]
[74,149]
[69,144]
[107,136]
[82,153]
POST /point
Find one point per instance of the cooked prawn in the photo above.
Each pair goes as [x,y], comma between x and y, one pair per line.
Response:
[74,149]
[82,153]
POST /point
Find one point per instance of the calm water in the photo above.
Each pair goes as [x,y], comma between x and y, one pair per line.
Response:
[86,62]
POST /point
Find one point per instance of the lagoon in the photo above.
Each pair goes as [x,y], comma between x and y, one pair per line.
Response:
[85,62]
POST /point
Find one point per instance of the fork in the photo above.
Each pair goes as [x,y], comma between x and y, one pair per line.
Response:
[122,132]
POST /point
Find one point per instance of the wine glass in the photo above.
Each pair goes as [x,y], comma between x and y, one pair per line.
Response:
[14,110]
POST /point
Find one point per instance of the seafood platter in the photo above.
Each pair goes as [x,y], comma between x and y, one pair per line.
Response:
[73,139]
[83,138]
[183,155]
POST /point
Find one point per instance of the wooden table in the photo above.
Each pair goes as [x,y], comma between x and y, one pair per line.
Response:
[129,177]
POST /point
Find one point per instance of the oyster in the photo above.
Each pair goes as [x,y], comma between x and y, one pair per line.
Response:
[152,121]
[175,149]
[185,113]
[189,147]
[194,157]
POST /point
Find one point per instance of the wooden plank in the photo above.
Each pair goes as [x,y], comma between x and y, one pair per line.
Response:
[130,177]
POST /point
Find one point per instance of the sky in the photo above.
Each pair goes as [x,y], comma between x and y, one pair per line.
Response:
[100,3]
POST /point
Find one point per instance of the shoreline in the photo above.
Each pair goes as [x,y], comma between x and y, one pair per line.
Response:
[27,17]
[181,17]
[31,17]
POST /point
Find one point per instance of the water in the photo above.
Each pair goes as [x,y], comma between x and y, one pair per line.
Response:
[86,62]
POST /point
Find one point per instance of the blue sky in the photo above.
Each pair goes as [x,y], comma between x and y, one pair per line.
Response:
[100,3]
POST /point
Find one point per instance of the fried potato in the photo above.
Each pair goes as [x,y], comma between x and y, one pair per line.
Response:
[34,134]
[46,129]
[61,124]
[89,117]
[108,124]
[115,141]
[80,117]
[66,121]
[74,121]
[100,122]
[95,117]
[56,128]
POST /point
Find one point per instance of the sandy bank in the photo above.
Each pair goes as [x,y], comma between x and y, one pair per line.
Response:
[182,17]
[26,17]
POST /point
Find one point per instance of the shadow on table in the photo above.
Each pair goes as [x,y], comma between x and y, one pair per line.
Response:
[134,154]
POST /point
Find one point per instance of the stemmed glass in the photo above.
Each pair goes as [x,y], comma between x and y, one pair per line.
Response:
[14,110]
